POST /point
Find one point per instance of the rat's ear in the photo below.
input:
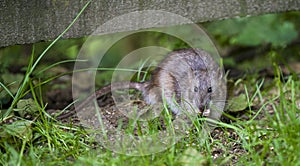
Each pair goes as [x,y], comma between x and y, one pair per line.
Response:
[222,75]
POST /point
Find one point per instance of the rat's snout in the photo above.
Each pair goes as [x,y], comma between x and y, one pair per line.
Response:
[204,108]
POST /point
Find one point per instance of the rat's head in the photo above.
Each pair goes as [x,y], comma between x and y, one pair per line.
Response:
[199,78]
[199,92]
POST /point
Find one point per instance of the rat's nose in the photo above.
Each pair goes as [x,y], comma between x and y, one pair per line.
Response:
[201,108]
[204,110]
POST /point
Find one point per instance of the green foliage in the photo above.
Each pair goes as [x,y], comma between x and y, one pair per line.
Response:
[27,106]
[20,129]
[254,31]
[238,103]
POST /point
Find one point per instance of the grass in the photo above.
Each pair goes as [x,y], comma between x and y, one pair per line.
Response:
[271,139]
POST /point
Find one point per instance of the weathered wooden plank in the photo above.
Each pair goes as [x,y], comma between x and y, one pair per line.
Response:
[30,21]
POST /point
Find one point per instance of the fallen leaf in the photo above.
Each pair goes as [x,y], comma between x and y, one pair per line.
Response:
[237,103]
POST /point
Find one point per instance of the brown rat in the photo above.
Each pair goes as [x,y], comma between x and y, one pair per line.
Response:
[184,79]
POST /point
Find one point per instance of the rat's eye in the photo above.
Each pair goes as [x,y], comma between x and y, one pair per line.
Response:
[196,89]
[209,90]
